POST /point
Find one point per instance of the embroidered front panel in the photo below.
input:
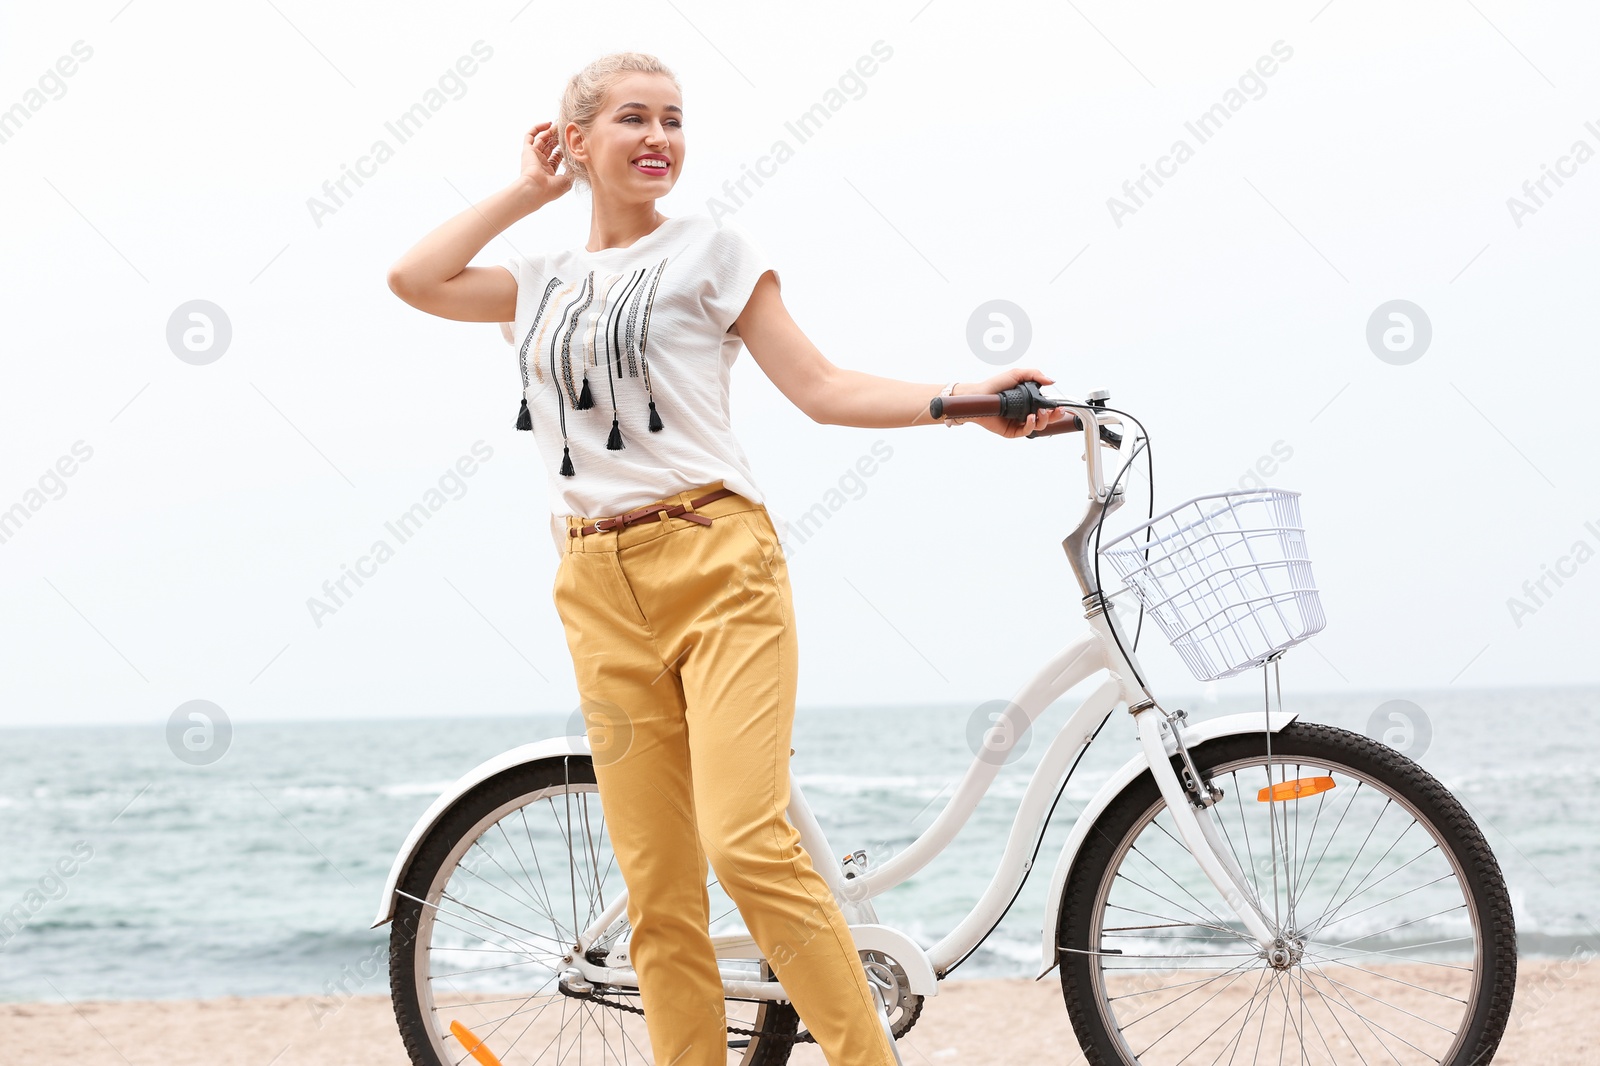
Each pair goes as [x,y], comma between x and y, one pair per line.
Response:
[627,335]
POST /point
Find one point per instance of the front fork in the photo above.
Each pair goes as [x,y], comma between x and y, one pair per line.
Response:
[1197,825]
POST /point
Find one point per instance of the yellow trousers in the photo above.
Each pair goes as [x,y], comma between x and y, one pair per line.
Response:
[683,642]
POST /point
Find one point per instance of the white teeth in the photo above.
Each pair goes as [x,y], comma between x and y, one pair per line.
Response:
[652,163]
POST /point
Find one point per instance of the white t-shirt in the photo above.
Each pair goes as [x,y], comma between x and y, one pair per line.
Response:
[648,322]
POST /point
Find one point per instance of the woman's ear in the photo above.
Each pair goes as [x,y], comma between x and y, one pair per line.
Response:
[575,147]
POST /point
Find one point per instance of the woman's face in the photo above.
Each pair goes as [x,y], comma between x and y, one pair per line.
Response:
[636,147]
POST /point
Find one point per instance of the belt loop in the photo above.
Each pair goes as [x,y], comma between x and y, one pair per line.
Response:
[686,498]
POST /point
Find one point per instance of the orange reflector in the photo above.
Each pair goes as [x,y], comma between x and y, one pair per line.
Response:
[1299,788]
[474,1046]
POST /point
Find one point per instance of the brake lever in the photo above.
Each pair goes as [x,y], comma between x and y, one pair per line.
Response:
[1107,434]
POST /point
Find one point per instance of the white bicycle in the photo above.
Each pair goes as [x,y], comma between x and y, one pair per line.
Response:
[1247,888]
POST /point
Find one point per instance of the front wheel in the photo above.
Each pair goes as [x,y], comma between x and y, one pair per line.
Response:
[1395,938]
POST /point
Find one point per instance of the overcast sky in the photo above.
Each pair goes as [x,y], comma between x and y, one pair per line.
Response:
[156,154]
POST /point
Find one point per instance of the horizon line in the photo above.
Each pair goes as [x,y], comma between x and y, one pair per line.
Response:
[1194,699]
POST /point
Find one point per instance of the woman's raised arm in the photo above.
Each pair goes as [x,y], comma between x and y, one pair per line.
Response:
[433,275]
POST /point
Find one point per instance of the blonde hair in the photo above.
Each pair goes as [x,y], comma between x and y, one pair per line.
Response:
[586,91]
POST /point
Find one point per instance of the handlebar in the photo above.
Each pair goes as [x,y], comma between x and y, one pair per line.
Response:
[1016,404]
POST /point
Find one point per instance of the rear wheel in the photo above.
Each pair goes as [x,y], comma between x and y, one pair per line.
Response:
[1396,942]
[486,919]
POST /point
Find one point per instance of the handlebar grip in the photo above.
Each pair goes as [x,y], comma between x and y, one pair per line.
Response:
[1016,404]
[1071,424]
[974,405]
[1074,424]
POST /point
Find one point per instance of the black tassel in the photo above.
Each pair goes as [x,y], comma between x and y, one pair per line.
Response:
[655,419]
[566,462]
[585,399]
[524,420]
[614,442]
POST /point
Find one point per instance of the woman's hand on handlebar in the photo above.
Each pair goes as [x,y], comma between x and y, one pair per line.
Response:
[1005,379]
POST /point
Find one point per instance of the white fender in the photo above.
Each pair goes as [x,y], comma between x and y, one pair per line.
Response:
[550,747]
[1194,734]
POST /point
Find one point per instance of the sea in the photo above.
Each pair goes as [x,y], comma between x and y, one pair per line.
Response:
[128,872]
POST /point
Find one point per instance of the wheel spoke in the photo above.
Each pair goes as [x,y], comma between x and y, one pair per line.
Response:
[1391,977]
[1361,886]
[1236,971]
[484,880]
[1389,952]
[495,918]
[1369,1023]
[1335,831]
[543,894]
[1244,824]
[1402,925]
[1311,842]
[1357,856]
[1168,833]
[1391,899]
[1190,925]
[531,948]
[1198,920]
[1197,1008]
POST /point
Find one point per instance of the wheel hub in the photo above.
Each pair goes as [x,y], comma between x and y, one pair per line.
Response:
[572,983]
[1286,951]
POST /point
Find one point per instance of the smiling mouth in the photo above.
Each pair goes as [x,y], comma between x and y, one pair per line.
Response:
[652,166]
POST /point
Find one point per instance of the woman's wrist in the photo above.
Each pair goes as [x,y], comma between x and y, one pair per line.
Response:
[951,389]
[526,195]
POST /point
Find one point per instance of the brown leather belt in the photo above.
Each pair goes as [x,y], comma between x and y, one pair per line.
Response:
[601,525]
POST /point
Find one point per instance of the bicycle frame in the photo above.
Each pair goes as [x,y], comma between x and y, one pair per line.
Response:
[1105,650]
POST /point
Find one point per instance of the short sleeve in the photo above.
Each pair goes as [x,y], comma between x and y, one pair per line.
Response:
[736,263]
[529,274]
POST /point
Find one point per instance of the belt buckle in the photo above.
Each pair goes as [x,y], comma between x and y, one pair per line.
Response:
[621,521]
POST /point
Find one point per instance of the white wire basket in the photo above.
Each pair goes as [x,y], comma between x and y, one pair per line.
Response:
[1226,577]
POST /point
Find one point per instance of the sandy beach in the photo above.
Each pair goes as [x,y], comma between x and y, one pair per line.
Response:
[977,1022]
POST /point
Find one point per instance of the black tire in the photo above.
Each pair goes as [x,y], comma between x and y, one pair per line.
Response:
[599,1033]
[1114,1005]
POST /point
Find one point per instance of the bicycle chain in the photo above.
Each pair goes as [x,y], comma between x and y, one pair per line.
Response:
[793,1038]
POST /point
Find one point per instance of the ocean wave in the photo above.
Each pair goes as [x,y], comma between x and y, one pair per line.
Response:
[324,793]
[416,788]
[900,784]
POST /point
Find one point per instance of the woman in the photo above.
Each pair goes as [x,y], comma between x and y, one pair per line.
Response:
[676,598]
